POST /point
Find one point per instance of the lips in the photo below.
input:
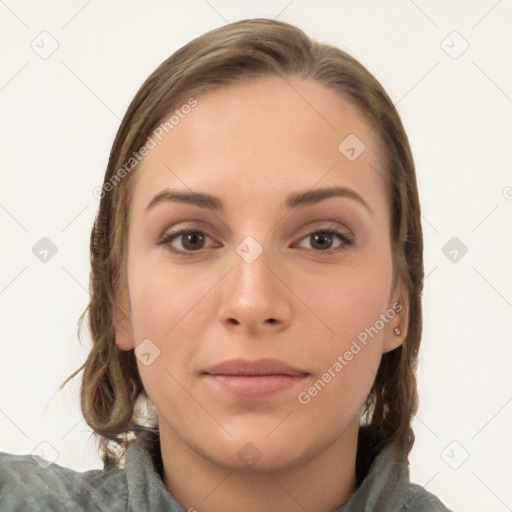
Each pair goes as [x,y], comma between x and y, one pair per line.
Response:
[259,367]
[254,380]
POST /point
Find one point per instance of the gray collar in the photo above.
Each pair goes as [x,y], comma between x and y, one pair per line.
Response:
[383,488]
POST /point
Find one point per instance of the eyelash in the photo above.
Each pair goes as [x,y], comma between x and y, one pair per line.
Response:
[346,241]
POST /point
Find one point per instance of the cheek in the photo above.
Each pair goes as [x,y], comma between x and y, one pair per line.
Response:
[348,341]
[347,302]
[346,360]
[162,297]
[171,308]
[167,309]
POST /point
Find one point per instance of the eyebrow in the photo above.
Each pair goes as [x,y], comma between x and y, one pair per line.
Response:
[295,199]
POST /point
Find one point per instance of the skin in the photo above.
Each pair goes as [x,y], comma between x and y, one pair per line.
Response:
[251,145]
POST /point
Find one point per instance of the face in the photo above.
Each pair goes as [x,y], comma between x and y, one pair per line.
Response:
[260,313]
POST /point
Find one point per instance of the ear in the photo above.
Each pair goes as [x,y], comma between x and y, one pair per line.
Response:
[122,323]
[399,305]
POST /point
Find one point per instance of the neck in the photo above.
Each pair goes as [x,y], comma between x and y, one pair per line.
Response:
[323,482]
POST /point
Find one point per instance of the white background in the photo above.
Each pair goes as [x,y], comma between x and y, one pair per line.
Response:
[59,116]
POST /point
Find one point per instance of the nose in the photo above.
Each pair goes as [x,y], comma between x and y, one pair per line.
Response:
[255,296]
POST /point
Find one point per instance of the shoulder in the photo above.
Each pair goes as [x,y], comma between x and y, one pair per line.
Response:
[32,484]
[417,499]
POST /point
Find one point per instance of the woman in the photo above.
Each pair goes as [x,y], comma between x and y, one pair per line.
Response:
[256,288]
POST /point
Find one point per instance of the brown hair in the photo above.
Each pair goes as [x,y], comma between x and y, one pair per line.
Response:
[246,50]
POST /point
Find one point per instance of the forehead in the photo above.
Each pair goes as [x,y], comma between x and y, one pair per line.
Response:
[271,133]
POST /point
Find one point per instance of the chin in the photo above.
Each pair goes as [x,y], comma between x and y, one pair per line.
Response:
[255,452]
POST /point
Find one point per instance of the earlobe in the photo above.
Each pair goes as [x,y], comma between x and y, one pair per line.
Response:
[123,327]
[397,328]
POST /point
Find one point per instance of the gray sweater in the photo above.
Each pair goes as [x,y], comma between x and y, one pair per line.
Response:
[28,485]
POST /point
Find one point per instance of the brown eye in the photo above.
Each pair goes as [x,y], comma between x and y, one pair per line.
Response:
[327,240]
[192,240]
[185,241]
[322,240]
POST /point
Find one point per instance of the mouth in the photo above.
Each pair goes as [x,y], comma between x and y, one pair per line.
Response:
[254,380]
